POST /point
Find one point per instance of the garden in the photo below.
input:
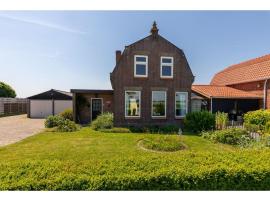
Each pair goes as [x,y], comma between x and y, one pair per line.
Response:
[102,157]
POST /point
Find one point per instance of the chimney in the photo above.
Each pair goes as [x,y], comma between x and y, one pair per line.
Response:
[117,55]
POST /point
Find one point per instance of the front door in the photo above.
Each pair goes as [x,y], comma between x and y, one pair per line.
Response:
[96,108]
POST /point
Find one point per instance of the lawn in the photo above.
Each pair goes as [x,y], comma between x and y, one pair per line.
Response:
[90,160]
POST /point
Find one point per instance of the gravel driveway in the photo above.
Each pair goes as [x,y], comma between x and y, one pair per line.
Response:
[16,128]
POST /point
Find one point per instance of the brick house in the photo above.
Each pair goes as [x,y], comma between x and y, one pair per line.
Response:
[151,84]
[238,88]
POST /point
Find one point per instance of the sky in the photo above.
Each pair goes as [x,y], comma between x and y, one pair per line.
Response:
[64,50]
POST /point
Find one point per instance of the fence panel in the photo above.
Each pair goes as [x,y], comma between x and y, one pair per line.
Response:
[13,106]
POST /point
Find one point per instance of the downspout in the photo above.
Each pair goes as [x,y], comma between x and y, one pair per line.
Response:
[265,93]
[211,108]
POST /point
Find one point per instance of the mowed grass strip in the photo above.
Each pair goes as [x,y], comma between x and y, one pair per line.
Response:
[90,160]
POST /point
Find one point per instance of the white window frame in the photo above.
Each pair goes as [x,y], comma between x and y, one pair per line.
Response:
[167,64]
[158,117]
[140,62]
[175,104]
[126,116]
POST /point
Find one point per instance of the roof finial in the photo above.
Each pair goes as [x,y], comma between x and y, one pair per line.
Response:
[154,29]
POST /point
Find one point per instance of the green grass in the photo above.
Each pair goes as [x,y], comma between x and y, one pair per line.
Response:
[91,160]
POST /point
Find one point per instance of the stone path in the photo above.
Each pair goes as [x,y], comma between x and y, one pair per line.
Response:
[16,128]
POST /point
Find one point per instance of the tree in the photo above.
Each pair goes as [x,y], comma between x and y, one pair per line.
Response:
[6,90]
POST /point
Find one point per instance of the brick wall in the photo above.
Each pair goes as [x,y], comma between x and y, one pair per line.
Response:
[123,79]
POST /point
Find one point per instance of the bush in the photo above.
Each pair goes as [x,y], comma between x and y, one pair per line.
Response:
[67,114]
[103,121]
[67,126]
[163,143]
[258,118]
[53,121]
[233,136]
[115,130]
[199,121]
[221,120]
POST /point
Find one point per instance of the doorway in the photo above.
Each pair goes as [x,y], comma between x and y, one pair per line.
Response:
[96,107]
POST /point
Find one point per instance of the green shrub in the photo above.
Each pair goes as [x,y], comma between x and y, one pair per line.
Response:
[67,126]
[163,143]
[233,136]
[221,120]
[103,121]
[53,121]
[256,119]
[199,121]
[115,130]
[67,114]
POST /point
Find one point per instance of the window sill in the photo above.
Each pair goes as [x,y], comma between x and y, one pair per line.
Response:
[157,117]
[182,117]
[166,77]
[132,117]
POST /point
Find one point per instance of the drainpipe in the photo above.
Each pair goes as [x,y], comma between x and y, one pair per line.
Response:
[265,93]
[211,108]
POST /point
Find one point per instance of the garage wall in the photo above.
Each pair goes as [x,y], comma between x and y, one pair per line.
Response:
[61,105]
[40,108]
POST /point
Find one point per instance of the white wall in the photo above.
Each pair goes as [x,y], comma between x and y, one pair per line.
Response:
[61,105]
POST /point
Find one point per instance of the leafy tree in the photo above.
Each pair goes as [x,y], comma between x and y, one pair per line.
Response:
[6,90]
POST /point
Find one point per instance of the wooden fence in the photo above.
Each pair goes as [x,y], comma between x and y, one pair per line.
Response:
[13,106]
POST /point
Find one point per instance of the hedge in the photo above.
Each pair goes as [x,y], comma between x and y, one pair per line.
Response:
[236,171]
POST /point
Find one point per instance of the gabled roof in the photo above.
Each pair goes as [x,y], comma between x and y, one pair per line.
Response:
[212,91]
[52,94]
[248,71]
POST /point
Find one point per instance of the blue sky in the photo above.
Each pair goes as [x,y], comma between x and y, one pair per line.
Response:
[40,50]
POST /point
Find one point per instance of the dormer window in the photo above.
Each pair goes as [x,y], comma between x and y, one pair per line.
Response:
[140,66]
[166,67]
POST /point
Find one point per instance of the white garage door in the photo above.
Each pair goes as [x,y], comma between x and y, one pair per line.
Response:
[40,108]
[61,105]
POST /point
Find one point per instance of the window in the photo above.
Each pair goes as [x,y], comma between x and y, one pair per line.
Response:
[181,104]
[140,66]
[166,67]
[158,103]
[132,103]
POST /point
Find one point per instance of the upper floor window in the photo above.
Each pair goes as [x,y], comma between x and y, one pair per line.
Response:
[166,67]
[140,66]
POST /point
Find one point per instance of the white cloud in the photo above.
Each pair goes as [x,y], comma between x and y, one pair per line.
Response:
[43,23]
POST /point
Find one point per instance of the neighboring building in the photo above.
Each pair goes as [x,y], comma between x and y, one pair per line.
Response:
[239,88]
[151,86]
[51,102]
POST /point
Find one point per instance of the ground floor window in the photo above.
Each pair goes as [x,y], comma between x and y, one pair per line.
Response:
[158,103]
[181,104]
[196,105]
[132,103]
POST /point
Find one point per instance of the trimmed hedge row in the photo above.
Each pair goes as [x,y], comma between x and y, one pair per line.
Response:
[218,172]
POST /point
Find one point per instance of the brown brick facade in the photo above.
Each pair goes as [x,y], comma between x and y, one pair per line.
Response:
[123,79]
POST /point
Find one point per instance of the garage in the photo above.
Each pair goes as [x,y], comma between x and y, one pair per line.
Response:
[51,102]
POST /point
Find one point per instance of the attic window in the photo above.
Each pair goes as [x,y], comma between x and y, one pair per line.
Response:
[140,66]
[166,67]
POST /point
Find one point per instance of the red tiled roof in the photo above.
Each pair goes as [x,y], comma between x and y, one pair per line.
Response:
[248,71]
[223,92]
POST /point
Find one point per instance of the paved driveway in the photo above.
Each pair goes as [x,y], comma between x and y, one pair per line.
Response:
[16,128]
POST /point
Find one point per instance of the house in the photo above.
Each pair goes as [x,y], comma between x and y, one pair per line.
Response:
[238,88]
[151,85]
[47,103]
